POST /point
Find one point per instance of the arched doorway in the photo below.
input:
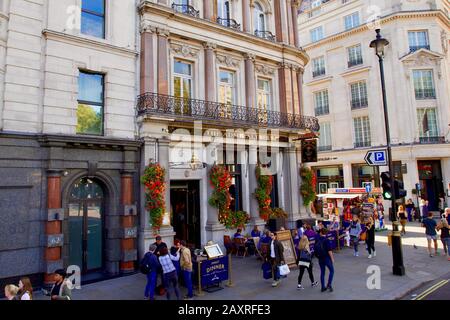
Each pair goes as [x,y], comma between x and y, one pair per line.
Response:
[86,220]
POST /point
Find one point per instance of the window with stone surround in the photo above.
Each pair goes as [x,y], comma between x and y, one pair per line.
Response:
[424,84]
[316,34]
[264,94]
[182,85]
[361,128]
[351,21]
[227,91]
[321,103]
[427,122]
[354,54]
[93,18]
[358,92]
[90,103]
[325,142]
[418,40]
[318,66]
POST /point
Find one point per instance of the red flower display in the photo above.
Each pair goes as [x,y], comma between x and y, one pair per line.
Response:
[153,180]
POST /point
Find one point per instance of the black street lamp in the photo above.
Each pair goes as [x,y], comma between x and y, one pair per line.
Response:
[397,255]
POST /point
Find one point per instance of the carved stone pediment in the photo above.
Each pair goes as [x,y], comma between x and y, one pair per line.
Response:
[184,50]
[227,61]
[422,58]
[264,69]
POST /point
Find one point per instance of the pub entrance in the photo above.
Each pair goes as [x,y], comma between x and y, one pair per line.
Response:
[430,175]
[185,209]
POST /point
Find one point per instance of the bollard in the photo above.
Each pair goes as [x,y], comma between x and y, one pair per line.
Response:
[199,289]
[230,281]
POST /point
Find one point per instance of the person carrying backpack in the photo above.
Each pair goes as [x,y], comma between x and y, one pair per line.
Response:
[305,262]
[150,266]
[323,252]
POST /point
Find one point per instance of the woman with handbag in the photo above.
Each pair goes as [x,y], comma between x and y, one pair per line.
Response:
[305,262]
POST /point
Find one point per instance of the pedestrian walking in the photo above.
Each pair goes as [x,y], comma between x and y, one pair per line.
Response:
[25,289]
[169,271]
[410,209]
[11,292]
[61,289]
[323,252]
[305,262]
[401,214]
[150,267]
[355,231]
[276,257]
[370,238]
[444,226]
[186,267]
[430,231]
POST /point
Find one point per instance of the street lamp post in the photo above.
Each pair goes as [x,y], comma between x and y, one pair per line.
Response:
[397,255]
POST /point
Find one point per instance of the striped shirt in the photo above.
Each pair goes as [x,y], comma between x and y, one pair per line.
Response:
[166,262]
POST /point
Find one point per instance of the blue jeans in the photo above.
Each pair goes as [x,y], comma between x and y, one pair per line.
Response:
[151,285]
[326,263]
[355,243]
[188,282]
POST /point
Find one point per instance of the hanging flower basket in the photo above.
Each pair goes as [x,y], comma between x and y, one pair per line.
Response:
[221,181]
[308,187]
[262,193]
[153,180]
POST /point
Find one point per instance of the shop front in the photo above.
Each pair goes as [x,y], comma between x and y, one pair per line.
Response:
[364,175]
[431,182]
[329,177]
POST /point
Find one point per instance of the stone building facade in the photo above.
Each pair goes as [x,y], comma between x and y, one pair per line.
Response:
[69,156]
[342,88]
[215,75]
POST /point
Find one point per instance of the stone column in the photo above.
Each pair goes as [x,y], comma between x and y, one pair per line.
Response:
[445,165]
[300,90]
[210,80]
[166,232]
[147,65]
[208,10]
[348,177]
[54,239]
[253,185]
[163,61]
[281,22]
[412,177]
[246,16]
[294,9]
[250,80]
[285,85]
[294,91]
[129,252]
[292,183]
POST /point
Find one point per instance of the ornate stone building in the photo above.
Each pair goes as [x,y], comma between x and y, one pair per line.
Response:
[217,78]
[342,88]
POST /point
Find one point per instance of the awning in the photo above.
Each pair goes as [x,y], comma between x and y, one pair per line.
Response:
[338,196]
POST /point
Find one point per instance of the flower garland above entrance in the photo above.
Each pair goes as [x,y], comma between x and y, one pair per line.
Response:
[308,187]
[154,181]
[221,181]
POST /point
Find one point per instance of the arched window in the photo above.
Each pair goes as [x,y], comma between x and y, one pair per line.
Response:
[260,18]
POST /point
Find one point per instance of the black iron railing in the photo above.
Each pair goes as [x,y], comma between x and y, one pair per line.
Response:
[265,35]
[415,48]
[431,140]
[324,110]
[230,23]
[355,62]
[184,109]
[362,144]
[186,9]
[318,72]
[359,103]
[423,94]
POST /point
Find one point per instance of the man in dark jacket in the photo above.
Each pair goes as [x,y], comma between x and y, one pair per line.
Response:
[159,245]
[276,258]
[151,260]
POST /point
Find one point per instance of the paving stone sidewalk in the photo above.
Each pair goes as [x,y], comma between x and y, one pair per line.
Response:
[349,282]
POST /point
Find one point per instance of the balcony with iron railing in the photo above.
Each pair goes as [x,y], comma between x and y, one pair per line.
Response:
[318,72]
[415,48]
[186,9]
[424,94]
[355,62]
[230,23]
[265,35]
[362,144]
[359,103]
[431,140]
[189,110]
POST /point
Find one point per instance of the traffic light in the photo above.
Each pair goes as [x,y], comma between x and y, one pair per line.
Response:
[386,185]
[398,189]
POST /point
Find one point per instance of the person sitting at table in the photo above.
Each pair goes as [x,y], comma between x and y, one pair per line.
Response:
[238,234]
[255,232]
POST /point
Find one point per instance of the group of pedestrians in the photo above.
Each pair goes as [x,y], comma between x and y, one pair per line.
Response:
[431,229]
[23,291]
[170,265]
